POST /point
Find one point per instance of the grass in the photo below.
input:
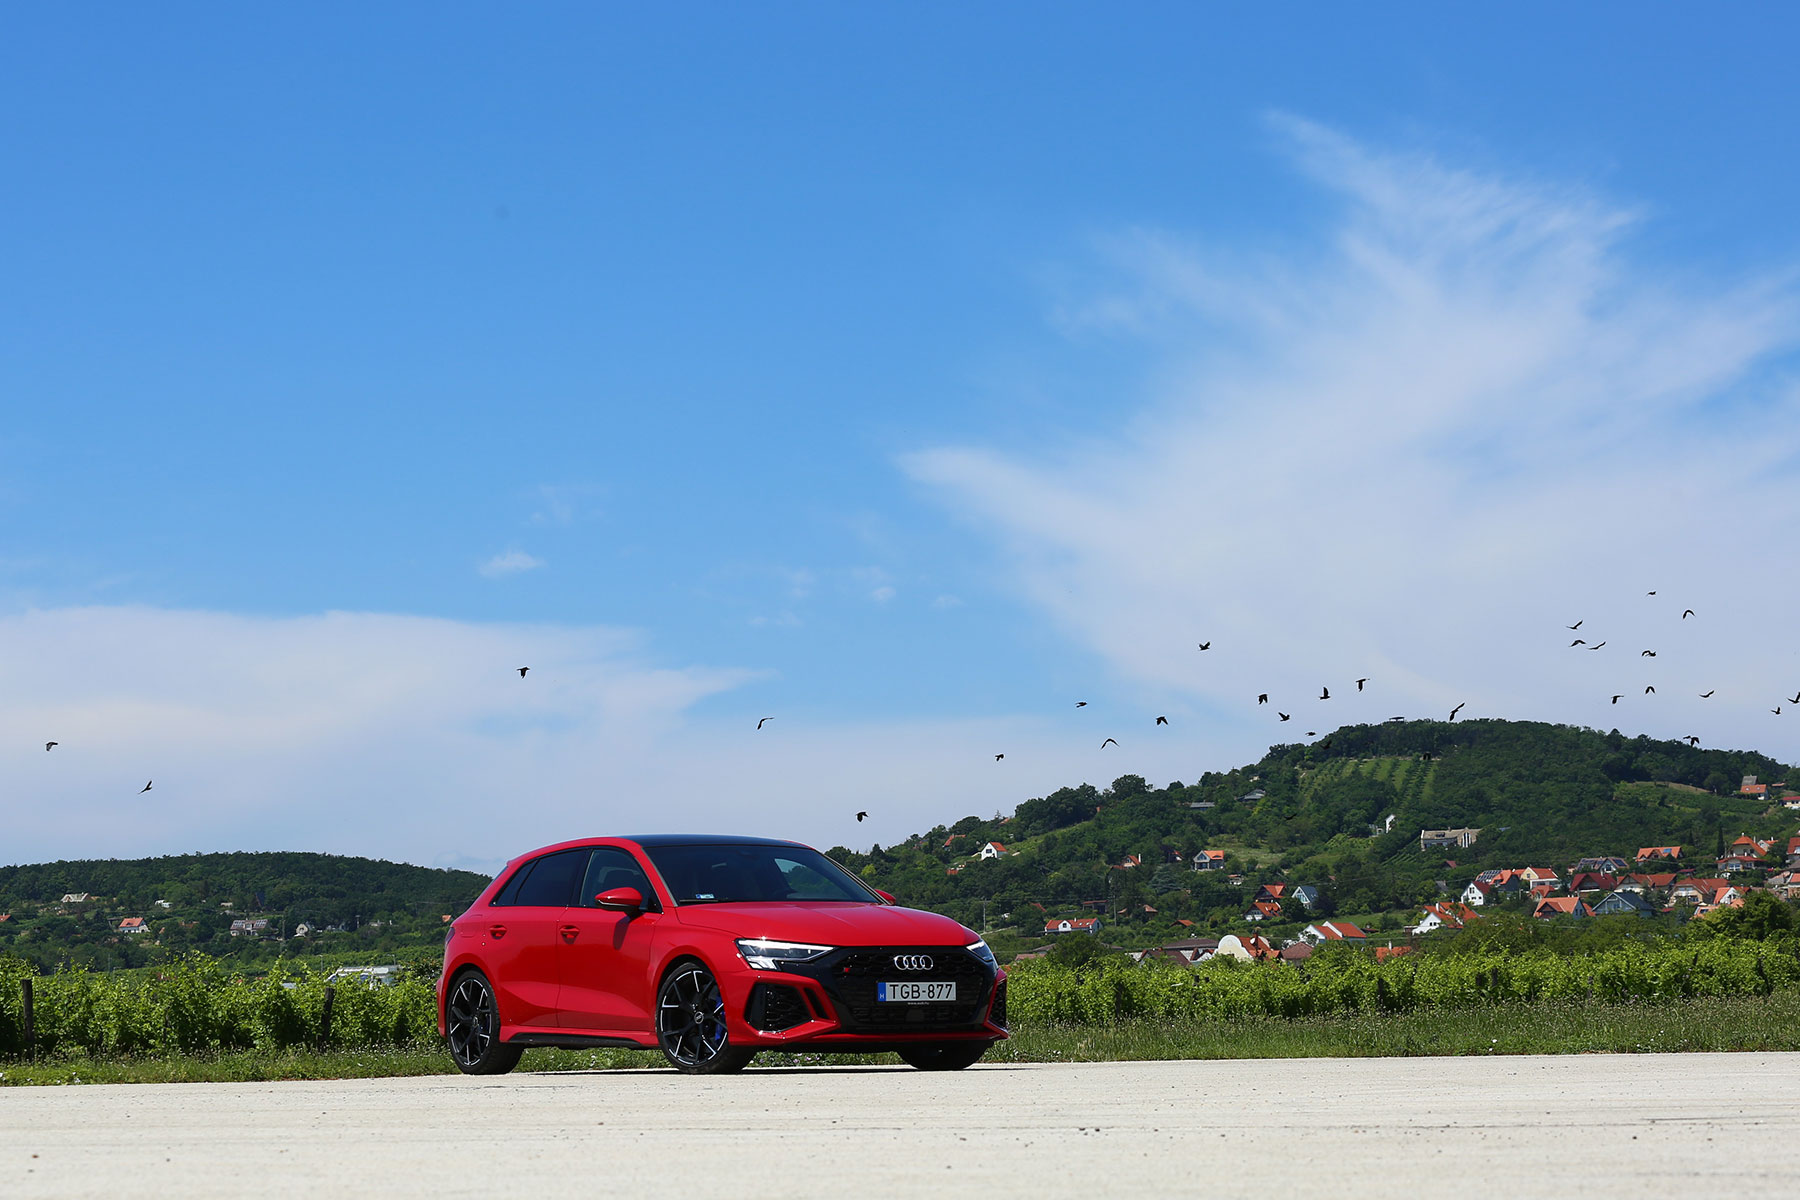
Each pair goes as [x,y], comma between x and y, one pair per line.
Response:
[1734,1024]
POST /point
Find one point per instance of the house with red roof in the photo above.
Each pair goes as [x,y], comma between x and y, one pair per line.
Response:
[1477,893]
[1263,910]
[1073,925]
[133,925]
[1652,853]
[1333,931]
[1209,860]
[1247,947]
[1562,906]
[1383,953]
[1593,881]
[992,850]
[1444,916]
[1698,891]
[1271,891]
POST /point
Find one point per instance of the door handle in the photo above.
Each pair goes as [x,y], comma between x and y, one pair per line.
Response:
[570,932]
[496,931]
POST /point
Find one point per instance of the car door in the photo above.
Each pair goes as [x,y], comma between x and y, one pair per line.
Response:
[520,940]
[607,954]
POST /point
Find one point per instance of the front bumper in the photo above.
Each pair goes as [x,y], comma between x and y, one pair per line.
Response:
[831,1001]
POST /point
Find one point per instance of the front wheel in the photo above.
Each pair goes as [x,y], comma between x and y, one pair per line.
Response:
[944,1056]
[690,1024]
[472,1019]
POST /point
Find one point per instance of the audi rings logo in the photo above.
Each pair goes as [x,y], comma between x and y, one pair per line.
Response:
[912,962]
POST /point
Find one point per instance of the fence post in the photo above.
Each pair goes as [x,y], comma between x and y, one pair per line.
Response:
[325,1017]
[30,1014]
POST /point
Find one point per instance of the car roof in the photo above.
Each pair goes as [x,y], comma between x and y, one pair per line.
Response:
[701,839]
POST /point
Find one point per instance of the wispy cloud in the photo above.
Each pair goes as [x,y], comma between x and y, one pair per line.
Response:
[1472,416]
[511,562]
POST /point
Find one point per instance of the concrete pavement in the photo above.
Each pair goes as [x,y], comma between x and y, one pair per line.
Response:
[1290,1128]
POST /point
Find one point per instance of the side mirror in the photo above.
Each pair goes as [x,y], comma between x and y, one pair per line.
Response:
[887,896]
[625,899]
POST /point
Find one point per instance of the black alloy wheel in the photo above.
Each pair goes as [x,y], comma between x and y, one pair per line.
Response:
[690,1024]
[472,1019]
[944,1056]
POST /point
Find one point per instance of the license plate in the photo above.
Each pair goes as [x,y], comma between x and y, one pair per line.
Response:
[914,993]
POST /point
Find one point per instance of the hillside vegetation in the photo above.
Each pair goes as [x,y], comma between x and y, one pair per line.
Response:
[1541,794]
[346,903]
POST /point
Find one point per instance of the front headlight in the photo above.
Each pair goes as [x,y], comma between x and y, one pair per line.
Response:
[979,948]
[768,956]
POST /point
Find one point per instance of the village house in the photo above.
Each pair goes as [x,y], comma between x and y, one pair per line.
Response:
[1074,925]
[1652,853]
[1646,883]
[1263,910]
[1734,864]
[1333,931]
[1130,861]
[1562,906]
[1477,893]
[1443,916]
[1621,902]
[1540,877]
[1610,864]
[1447,839]
[1247,947]
[1209,860]
[1271,891]
[1188,951]
[133,925]
[1697,891]
[251,927]
[1592,881]
[992,850]
[74,898]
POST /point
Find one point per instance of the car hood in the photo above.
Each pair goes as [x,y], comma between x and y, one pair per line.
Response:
[829,924]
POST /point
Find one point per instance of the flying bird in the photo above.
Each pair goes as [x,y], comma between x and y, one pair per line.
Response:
[522,671]
[998,757]
[1283,716]
[1686,613]
[1649,593]
[759,724]
[1648,654]
[1616,698]
[1649,691]
[1796,699]
[1109,742]
[146,787]
[1081,704]
[1456,710]
[861,815]
[1263,698]
[1360,682]
[1692,740]
[1312,733]
[1324,693]
[1707,695]
[1776,710]
[1206,645]
[1577,625]
[1162,720]
[1596,645]
[1577,642]
[48,746]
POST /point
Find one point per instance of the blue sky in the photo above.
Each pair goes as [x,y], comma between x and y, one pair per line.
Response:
[905,373]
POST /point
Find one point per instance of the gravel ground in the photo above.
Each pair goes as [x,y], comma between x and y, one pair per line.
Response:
[1628,1125]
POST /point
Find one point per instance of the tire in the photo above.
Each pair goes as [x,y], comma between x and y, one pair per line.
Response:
[690,1023]
[472,1021]
[944,1056]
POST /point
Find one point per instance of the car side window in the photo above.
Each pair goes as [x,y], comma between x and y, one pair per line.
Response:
[610,868]
[552,880]
[508,894]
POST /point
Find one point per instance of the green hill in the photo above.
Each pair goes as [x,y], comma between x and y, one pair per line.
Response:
[1541,795]
[346,904]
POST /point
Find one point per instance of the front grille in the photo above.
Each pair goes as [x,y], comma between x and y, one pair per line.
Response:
[998,1015]
[774,1007]
[850,976]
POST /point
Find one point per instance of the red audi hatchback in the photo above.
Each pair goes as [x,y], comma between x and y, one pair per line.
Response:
[709,949]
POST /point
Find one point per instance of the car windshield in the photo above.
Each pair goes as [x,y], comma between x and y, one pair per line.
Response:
[715,874]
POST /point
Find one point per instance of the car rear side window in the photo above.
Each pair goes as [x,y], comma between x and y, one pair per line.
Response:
[551,880]
[508,894]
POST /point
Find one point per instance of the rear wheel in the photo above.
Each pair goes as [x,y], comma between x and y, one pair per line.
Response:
[472,1019]
[944,1056]
[690,1024]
